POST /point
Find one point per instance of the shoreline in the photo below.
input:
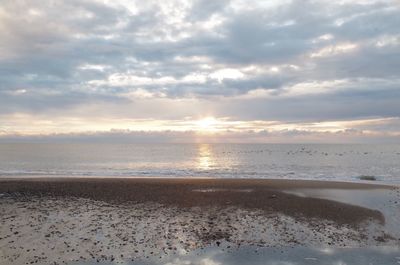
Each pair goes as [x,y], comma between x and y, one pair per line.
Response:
[284,183]
[267,195]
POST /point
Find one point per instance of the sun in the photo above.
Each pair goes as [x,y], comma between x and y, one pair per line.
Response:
[207,123]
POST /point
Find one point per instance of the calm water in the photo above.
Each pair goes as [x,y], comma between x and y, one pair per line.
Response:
[327,162]
[277,256]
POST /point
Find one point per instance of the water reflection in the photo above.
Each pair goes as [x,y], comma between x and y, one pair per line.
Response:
[371,199]
[206,159]
[274,256]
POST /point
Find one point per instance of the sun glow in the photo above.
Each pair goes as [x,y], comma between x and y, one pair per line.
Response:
[207,124]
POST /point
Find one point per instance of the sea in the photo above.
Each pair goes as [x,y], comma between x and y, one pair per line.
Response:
[342,162]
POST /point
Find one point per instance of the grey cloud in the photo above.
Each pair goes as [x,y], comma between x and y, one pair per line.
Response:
[347,104]
[43,54]
[44,102]
[267,82]
[203,9]
[368,61]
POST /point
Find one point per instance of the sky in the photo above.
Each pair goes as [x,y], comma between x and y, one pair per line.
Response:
[200,71]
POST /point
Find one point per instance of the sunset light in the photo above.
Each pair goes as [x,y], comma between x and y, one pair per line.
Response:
[207,124]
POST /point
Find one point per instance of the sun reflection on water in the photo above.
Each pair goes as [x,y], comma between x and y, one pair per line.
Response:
[206,159]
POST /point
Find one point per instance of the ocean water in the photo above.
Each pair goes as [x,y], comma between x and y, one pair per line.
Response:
[287,161]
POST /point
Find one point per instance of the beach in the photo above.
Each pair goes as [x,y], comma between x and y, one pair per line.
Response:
[49,220]
[193,132]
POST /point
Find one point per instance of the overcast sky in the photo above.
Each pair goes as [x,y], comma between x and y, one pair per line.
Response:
[237,71]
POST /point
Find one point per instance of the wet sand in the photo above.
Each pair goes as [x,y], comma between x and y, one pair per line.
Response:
[66,220]
[267,195]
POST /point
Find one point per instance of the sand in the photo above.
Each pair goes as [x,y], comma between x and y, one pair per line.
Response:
[67,220]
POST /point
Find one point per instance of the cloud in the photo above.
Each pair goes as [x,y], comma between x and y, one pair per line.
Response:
[255,60]
[189,131]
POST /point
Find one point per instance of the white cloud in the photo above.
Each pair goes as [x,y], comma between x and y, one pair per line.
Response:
[323,38]
[388,40]
[227,73]
[333,50]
